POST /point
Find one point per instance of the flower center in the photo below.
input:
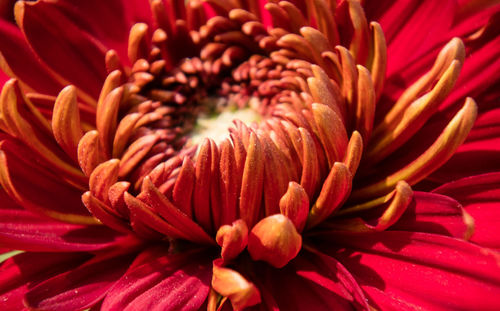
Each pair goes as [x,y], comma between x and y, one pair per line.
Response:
[216,125]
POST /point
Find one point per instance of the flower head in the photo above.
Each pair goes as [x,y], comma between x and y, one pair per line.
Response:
[215,154]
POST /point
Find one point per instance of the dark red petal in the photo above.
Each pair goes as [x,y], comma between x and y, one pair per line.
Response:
[80,56]
[327,272]
[18,273]
[79,288]
[105,20]
[21,229]
[433,213]
[481,69]
[167,282]
[301,285]
[22,61]
[413,271]
[480,196]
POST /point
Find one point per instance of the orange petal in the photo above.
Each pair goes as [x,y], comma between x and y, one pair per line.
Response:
[89,152]
[232,239]
[66,121]
[274,240]
[229,283]
[252,183]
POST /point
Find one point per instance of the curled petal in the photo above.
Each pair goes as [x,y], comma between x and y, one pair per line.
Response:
[232,239]
[231,284]
[401,198]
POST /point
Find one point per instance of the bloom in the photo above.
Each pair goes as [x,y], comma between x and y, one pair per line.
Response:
[113,186]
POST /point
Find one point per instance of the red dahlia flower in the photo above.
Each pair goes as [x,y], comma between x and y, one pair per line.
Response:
[125,187]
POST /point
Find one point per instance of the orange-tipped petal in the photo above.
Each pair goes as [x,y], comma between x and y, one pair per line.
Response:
[396,206]
[436,155]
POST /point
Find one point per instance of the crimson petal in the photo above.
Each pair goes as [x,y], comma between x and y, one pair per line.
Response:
[169,282]
[19,273]
[80,56]
[79,288]
[480,196]
[411,271]
[22,61]
[312,281]
[480,152]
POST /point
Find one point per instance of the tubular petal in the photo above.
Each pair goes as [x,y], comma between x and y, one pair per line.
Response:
[252,182]
[436,155]
[335,191]
[66,121]
[294,204]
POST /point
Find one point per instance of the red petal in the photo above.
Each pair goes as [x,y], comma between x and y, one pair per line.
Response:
[19,273]
[24,230]
[79,288]
[413,271]
[168,282]
[330,274]
[433,213]
[79,58]
[480,196]
[411,28]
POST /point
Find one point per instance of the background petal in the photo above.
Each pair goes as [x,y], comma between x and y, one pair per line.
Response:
[411,271]
[480,196]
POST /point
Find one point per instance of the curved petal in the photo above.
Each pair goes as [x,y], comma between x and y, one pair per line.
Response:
[163,282]
[413,271]
[79,288]
[21,229]
[414,26]
[433,213]
[480,196]
[18,60]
